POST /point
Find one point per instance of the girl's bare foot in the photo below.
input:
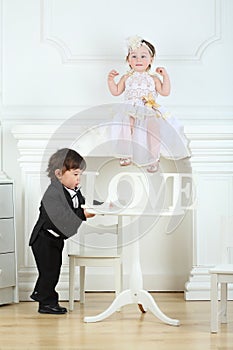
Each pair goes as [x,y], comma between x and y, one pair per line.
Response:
[125,161]
[153,167]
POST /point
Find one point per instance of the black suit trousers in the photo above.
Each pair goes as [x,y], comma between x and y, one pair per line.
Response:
[47,251]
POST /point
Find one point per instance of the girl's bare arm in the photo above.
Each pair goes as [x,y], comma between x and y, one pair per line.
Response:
[116,88]
[162,87]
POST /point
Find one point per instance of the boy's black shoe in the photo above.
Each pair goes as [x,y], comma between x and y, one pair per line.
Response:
[34,296]
[52,309]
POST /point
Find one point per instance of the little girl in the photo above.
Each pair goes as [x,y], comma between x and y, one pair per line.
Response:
[142,129]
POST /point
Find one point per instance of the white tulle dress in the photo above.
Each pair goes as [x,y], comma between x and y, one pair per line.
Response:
[143,130]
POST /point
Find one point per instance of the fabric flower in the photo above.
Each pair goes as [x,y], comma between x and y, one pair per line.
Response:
[150,102]
[134,42]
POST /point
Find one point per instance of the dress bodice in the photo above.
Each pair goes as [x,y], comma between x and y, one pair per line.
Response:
[139,85]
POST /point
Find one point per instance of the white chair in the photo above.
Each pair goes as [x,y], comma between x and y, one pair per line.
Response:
[222,275]
[80,255]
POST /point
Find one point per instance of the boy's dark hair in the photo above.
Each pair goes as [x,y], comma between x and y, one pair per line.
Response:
[65,159]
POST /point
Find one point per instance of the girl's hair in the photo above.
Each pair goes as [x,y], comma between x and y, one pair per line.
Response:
[151,50]
[65,159]
[151,47]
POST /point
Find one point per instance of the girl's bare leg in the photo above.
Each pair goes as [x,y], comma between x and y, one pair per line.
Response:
[153,143]
[131,123]
[127,161]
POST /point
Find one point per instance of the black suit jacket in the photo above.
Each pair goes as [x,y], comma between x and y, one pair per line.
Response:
[58,213]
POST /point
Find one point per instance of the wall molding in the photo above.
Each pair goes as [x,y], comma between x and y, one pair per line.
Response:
[193,115]
[70,57]
[198,286]
[28,276]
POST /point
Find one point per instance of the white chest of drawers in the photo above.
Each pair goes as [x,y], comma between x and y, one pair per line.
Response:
[8,261]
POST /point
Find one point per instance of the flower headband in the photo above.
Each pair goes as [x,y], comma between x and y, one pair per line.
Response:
[134,42]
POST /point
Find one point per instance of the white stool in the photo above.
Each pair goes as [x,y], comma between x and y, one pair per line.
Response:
[87,261]
[80,255]
[222,274]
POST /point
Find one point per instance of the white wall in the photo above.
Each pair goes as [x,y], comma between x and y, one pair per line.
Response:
[55,56]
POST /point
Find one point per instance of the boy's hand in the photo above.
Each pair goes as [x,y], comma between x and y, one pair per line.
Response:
[87,214]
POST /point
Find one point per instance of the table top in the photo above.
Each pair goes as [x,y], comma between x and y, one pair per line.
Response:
[107,209]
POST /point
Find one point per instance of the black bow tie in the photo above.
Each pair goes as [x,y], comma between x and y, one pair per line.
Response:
[75,193]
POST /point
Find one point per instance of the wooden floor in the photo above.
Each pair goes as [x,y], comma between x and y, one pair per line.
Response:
[22,327]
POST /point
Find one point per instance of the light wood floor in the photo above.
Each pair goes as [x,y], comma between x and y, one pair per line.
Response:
[22,327]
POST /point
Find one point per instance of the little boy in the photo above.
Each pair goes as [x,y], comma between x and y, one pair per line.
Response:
[60,217]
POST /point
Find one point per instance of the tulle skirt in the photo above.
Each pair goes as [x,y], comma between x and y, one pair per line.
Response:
[144,135]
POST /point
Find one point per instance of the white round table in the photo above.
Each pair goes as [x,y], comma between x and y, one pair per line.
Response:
[135,294]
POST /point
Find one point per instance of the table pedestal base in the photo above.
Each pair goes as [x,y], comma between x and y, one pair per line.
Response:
[141,297]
